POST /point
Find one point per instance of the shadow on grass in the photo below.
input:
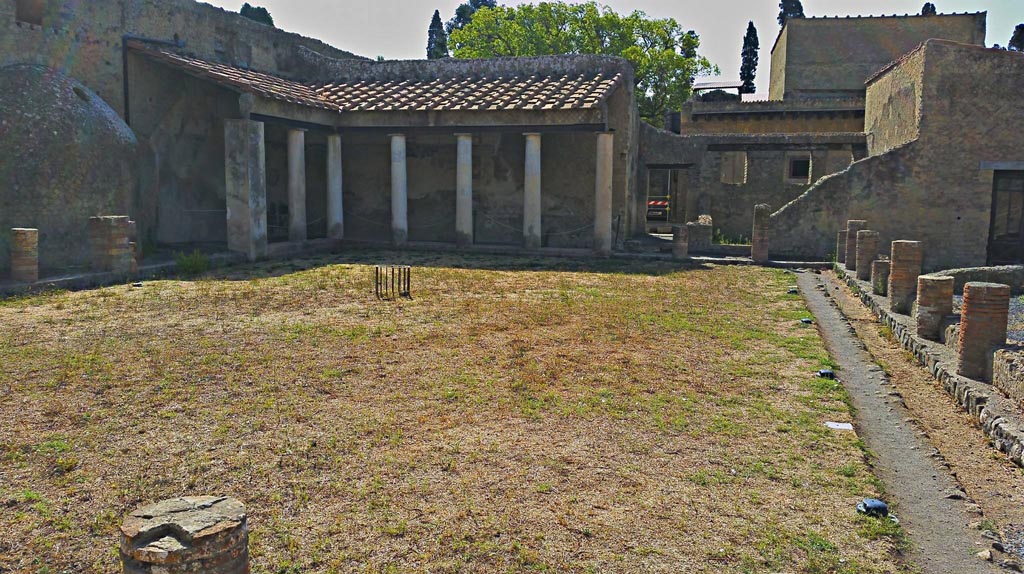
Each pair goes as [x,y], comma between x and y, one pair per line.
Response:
[453,260]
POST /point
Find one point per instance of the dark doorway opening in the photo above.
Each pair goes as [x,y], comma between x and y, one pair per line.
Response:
[1006,231]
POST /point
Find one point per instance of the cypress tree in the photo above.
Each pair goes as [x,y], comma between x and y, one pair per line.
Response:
[1017,41]
[748,69]
[437,39]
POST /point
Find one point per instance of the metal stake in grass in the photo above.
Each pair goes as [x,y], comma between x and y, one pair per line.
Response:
[392,281]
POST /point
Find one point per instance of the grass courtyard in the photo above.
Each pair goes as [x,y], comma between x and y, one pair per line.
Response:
[518,415]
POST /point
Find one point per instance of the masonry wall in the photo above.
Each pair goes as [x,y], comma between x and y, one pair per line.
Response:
[773,117]
[937,188]
[830,56]
[83,38]
[893,106]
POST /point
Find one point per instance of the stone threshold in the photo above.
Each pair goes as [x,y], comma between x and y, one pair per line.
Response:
[992,411]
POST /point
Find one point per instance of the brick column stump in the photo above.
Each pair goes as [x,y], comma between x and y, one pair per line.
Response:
[880,277]
[983,318]
[934,303]
[867,251]
[905,267]
[110,245]
[841,247]
[760,235]
[852,227]
[191,534]
[25,255]
[680,242]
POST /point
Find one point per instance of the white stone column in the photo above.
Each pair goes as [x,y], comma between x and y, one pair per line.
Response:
[531,193]
[335,213]
[603,194]
[296,185]
[246,186]
[464,190]
[399,191]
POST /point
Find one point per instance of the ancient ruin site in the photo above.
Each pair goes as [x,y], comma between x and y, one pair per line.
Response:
[562,296]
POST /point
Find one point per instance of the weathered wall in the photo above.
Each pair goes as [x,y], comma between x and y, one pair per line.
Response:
[65,156]
[893,108]
[83,38]
[830,56]
[822,115]
[938,188]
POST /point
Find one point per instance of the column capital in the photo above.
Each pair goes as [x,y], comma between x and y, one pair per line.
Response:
[296,129]
[463,135]
[531,134]
[396,135]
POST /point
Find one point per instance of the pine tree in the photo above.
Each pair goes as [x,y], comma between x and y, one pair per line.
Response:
[464,13]
[437,39]
[748,69]
[929,9]
[790,9]
[257,14]
[1017,41]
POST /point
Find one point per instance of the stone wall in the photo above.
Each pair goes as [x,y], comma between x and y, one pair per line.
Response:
[92,32]
[936,189]
[834,56]
[892,112]
[824,115]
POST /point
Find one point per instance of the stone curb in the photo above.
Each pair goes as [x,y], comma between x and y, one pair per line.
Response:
[986,405]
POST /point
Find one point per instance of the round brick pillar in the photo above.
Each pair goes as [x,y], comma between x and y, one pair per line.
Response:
[760,236]
[192,534]
[880,277]
[983,317]
[905,267]
[841,247]
[852,227]
[680,242]
[867,251]
[25,255]
[934,303]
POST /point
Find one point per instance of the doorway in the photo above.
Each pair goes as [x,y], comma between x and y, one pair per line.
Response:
[1006,231]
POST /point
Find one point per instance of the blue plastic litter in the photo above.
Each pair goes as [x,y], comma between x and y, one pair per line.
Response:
[873,507]
[807,321]
[827,374]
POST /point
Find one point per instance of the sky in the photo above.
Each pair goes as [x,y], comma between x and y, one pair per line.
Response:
[397,29]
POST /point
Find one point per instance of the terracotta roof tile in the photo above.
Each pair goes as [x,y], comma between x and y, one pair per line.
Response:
[586,91]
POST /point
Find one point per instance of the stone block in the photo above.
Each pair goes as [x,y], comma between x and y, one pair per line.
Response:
[852,227]
[905,267]
[880,277]
[934,304]
[186,535]
[25,255]
[680,242]
[108,240]
[1008,372]
[761,232]
[867,251]
[699,236]
[983,318]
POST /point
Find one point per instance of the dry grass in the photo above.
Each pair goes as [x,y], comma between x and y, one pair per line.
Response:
[519,415]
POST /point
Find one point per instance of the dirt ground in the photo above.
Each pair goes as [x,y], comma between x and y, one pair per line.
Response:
[987,476]
[517,415]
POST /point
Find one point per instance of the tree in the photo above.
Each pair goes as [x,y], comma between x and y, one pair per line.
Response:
[437,39]
[464,14]
[257,13]
[928,9]
[748,69]
[790,9]
[1017,41]
[664,57]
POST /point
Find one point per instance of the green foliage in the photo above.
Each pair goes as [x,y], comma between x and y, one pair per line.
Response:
[257,14]
[664,56]
[790,9]
[928,9]
[1017,41]
[437,39]
[464,14]
[748,69]
[192,263]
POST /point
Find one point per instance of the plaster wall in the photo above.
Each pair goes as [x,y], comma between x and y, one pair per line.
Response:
[893,105]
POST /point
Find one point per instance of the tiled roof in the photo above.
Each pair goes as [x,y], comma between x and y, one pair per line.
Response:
[535,92]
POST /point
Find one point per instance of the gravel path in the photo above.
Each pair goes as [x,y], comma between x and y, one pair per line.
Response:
[937,526]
